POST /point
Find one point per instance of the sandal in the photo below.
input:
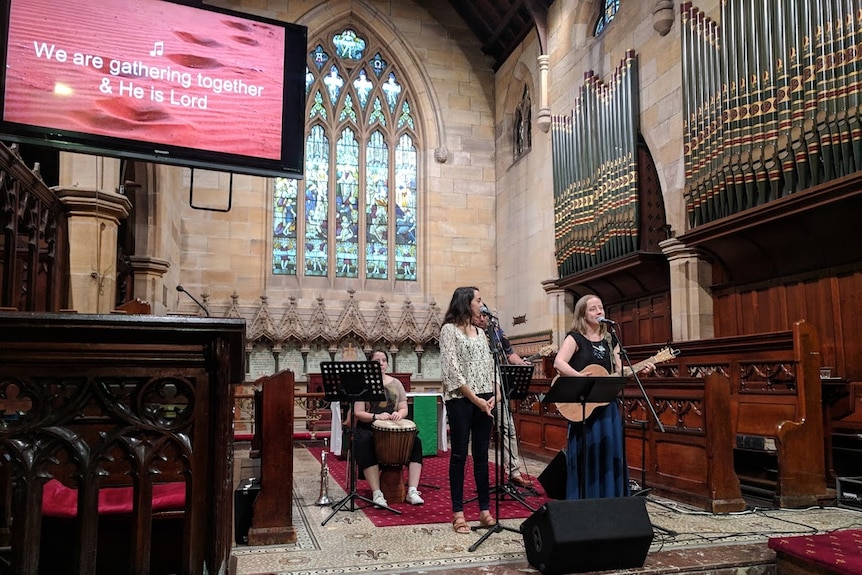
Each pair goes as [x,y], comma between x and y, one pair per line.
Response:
[487,520]
[460,525]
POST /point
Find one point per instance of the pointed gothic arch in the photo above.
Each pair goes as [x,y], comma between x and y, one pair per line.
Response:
[358,216]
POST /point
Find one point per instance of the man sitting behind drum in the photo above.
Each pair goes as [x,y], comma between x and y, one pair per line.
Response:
[393,409]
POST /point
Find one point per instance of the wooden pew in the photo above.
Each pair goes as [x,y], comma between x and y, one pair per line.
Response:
[771,408]
[692,460]
[103,402]
[775,409]
[272,518]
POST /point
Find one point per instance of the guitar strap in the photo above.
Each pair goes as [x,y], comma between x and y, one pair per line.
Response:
[609,339]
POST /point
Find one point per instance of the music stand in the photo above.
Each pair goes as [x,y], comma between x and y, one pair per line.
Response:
[352,381]
[515,380]
[515,384]
[584,390]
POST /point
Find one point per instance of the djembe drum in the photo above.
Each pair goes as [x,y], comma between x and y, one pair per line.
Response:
[393,442]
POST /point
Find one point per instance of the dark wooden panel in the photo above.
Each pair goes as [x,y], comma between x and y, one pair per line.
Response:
[829,302]
[813,230]
[34,252]
[272,520]
[847,334]
[530,430]
[120,400]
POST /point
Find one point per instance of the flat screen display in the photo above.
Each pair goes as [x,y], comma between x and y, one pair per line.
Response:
[157,80]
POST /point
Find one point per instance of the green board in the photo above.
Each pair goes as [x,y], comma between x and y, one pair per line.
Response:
[425,418]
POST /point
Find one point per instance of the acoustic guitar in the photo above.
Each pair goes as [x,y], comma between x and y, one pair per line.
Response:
[546,351]
[577,412]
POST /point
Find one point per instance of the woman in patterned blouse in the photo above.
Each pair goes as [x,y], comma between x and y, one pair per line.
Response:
[469,390]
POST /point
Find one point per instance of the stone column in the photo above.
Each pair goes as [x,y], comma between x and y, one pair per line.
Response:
[690,298]
[88,187]
[561,306]
[543,117]
[93,172]
[149,274]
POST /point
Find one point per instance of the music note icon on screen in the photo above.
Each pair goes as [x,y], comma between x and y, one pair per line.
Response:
[158,49]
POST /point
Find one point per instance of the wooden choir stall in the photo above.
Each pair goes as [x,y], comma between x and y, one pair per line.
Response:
[117,444]
[740,415]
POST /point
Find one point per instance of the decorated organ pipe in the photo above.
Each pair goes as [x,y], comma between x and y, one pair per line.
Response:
[628,123]
[854,53]
[595,171]
[771,101]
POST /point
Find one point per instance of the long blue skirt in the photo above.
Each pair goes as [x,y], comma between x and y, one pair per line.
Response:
[606,474]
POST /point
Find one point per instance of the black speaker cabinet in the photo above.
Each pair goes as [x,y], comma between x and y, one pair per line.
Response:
[579,535]
[553,478]
[243,508]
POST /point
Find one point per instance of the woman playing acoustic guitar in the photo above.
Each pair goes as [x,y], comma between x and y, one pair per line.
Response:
[588,350]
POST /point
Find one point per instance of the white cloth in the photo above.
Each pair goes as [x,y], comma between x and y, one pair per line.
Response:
[335,428]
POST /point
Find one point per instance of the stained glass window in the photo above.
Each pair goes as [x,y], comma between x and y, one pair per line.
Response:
[347,206]
[608,13]
[405,209]
[316,202]
[284,235]
[359,218]
[377,207]
[522,137]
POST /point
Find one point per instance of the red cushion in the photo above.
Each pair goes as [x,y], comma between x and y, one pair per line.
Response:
[296,435]
[839,551]
[61,501]
[307,435]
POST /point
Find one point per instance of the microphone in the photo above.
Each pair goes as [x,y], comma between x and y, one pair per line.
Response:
[607,321]
[200,305]
[485,311]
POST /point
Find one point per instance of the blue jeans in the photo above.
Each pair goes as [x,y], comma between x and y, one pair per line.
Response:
[466,419]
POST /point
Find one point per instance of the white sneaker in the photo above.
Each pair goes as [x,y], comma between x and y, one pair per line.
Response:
[413,497]
[378,499]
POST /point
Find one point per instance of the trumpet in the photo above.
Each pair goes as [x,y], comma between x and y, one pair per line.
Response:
[323,498]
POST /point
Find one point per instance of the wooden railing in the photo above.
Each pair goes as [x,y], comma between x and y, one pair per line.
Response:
[692,459]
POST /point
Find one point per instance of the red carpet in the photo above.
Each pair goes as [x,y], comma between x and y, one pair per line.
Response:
[836,552]
[438,505]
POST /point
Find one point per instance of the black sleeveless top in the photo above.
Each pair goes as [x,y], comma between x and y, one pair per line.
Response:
[591,352]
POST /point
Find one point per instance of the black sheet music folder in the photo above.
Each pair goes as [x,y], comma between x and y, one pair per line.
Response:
[352,380]
[516,380]
[585,389]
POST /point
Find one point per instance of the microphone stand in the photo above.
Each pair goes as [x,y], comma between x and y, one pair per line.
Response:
[627,361]
[624,354]
[497,352]
[200,305]
[501,486]
[504,487]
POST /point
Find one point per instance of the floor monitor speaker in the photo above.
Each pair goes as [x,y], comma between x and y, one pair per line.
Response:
[553,478]
[574,536]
